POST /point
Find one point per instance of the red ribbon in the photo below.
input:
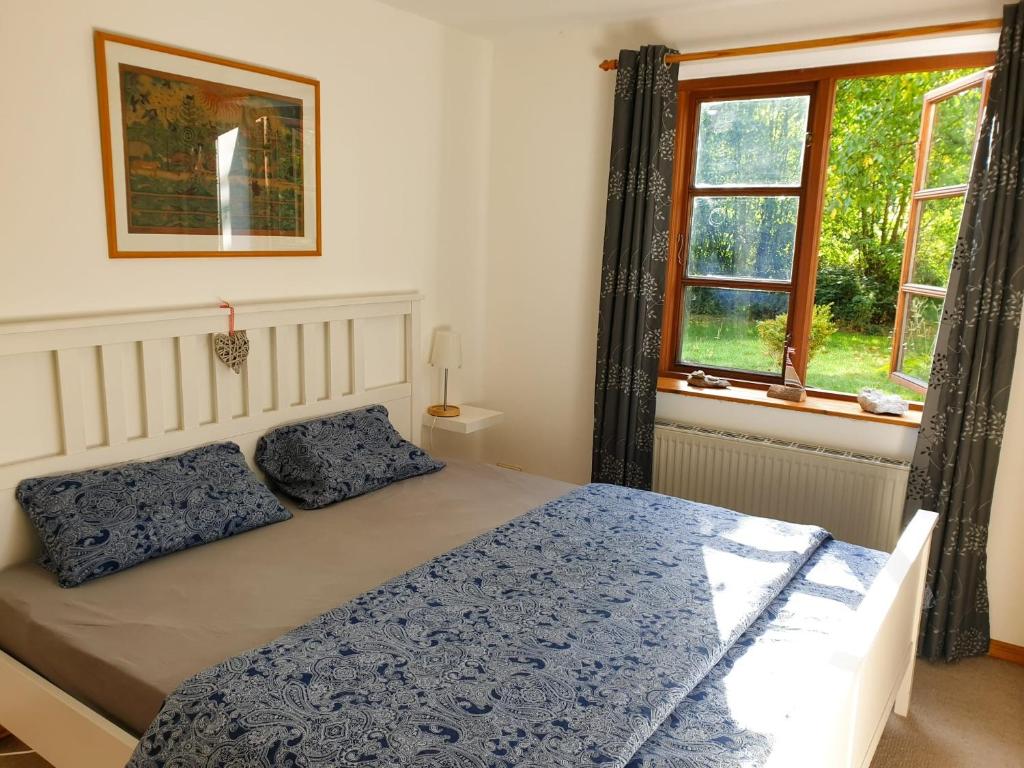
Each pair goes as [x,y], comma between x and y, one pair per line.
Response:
[231,316]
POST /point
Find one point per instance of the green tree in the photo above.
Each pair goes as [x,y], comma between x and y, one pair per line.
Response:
[875,127]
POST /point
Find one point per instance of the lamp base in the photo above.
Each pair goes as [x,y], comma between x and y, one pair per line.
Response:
[445,411]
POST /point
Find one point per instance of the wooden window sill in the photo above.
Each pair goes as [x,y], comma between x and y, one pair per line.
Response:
[825,406]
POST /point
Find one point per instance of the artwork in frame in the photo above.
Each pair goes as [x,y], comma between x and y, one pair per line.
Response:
[203,156]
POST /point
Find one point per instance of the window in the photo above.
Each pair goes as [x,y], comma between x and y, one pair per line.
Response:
[793,196]
[746,194]
[949,125]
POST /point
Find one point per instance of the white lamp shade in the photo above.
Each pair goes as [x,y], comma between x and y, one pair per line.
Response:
[446,351]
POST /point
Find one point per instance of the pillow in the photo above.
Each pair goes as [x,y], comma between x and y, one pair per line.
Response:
[337,457]
[102,521]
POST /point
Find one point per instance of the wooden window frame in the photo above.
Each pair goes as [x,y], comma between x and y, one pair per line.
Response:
[919,196]
[821,83]
[803,191]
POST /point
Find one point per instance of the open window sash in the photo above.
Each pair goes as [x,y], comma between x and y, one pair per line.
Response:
[950,120]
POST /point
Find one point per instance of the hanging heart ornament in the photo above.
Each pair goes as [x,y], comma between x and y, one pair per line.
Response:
[232,349]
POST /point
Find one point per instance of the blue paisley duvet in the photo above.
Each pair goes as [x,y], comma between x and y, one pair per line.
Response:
[733,718]
[566,637]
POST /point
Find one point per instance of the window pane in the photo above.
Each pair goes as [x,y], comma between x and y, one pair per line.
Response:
[743,237]
[936,239]
[851,360]
[949,159]
[920,329]
[752,142]
[720,328]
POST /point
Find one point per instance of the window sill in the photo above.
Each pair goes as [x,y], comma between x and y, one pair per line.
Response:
[819,405]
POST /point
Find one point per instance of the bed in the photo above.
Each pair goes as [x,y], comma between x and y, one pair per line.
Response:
[123,644]
[84,670]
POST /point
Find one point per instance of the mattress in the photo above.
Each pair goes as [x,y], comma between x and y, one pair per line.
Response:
[122,643]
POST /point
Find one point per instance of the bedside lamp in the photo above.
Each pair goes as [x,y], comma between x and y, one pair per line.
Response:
[445,352]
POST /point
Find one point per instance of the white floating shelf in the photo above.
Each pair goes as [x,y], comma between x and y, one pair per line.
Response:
[471,419]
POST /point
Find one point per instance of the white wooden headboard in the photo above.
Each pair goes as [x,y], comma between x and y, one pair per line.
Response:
[93,390]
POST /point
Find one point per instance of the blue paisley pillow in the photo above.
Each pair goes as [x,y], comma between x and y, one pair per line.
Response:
[337,457]
[102,521]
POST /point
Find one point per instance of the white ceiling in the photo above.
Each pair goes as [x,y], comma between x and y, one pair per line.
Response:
[488,16]
[717,18]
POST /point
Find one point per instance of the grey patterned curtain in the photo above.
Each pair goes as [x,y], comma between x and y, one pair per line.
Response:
[633,271]
[957,452]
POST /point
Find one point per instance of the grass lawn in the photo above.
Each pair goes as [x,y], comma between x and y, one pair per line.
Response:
[848,363]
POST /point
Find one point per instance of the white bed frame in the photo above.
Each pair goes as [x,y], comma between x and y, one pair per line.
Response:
[86,391]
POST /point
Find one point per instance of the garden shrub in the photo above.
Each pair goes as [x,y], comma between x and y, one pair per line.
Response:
[772,333]
[843,287]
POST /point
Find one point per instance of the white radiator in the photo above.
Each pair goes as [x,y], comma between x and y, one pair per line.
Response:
[857,498]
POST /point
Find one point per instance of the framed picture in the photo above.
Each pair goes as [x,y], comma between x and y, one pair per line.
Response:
[203,156]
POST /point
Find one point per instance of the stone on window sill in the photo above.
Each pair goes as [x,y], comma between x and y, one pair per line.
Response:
[877,401]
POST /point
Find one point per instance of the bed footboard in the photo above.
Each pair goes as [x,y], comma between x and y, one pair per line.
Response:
[870,672]
[63,730]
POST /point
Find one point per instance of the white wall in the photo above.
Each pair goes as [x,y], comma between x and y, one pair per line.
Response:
[549,155]
[1006,529]
[405,111]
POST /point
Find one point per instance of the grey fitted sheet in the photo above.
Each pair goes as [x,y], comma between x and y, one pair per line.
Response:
[123,642]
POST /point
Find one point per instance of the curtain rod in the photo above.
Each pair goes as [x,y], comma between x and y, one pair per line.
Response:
[824,42]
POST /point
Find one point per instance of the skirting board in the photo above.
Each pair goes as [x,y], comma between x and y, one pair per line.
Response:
[997,649]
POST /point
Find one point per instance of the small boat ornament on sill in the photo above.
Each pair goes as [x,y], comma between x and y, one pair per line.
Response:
[793,389]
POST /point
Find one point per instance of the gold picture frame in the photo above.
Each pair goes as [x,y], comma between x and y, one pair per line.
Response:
[204,156]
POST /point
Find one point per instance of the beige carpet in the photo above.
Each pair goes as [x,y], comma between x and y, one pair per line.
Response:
[966,715]
[961,715]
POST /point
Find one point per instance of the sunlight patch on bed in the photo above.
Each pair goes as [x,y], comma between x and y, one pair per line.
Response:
[731,580]
[832,571]
[764,686]
[769,535]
